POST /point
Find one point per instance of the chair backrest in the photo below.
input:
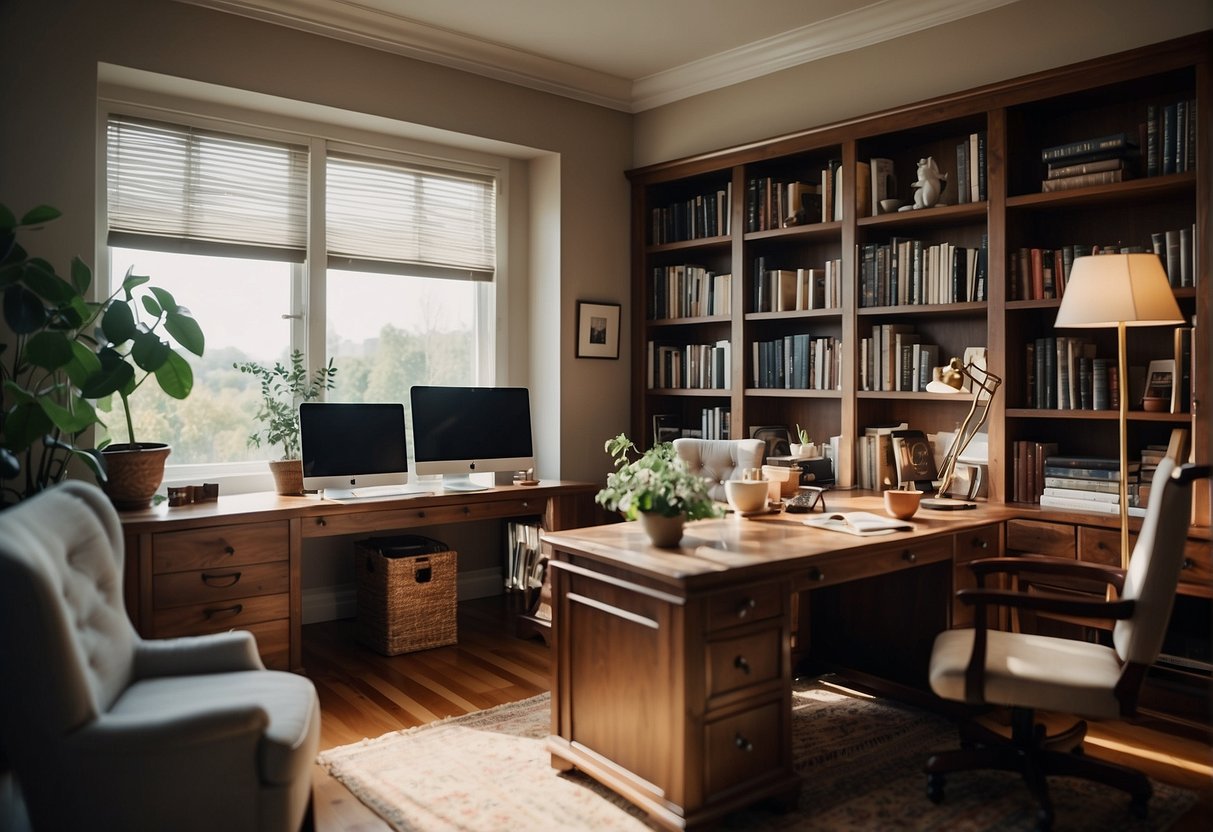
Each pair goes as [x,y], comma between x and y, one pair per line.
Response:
[1154,567]
[66,643]
[718,460]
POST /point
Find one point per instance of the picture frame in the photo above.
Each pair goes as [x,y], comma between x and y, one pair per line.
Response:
[777,437]
[597,330]
[1160,381]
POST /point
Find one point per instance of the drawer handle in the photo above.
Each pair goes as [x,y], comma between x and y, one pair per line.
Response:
[421,514]
[742,743]
[232,579]
[234,609]
[229,549]
[525,504]
[467,509]
[1188,564]
[908,556]
[980,543]
[816,574]
[741,664]
[743,609]
[320,521]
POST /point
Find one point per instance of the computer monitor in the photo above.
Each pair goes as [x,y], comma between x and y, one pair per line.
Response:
[350,446]
[459,431]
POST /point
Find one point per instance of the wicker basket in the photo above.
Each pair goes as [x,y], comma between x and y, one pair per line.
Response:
[405,603]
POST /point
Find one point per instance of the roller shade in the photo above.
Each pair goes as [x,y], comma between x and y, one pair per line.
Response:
[179,188]
[404,219]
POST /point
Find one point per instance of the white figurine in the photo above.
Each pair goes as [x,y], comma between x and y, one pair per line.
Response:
[929,186]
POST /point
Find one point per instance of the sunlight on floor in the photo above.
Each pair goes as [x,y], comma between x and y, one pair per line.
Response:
[1197,766]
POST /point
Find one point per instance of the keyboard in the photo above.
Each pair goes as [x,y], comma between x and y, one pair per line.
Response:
[373,492]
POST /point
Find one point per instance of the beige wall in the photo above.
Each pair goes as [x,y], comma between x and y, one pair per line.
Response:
[49,52]
[1004,43]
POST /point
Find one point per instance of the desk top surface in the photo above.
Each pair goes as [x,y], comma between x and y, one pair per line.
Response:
[759,544]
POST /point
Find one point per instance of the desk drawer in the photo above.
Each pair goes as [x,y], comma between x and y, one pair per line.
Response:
[741,606]
[220,546]
[736,663]
[208,586]
[220,615]
[850,565]
[1040,538]
[1103,546]
[742,747]
[273,643]
[365,522]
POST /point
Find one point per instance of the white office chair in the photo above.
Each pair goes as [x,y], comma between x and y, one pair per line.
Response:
[105,730]
[1026,672]
[718,460]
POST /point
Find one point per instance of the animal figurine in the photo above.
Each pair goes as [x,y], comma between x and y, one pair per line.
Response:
[929,186]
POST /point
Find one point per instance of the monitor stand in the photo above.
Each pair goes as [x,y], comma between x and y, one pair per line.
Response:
[461,482]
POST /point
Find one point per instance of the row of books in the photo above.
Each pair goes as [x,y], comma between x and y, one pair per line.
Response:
[971,169]
[798,362]
[792,290]
[1063,373]
[1087,162]
[1171,137]
[1080,483]
[714,423]
[697,217]
[688,291]
[1176,249]
[876,456]
[907,271]
[1066,177]
[689,366]
[894,358]
[524,566]
[779,203]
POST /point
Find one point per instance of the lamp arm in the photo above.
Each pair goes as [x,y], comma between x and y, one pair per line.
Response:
[988,385]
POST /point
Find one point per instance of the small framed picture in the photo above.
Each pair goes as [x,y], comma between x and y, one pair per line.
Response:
[777,437]
[1160,377]
[597,330]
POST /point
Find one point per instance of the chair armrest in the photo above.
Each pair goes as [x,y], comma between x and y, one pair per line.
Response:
[190,655]
[1049,565]
[1047,602]
[124,734]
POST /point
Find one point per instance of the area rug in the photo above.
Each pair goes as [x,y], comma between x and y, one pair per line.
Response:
[860,760]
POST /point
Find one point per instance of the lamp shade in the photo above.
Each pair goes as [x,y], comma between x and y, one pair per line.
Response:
[1106,289]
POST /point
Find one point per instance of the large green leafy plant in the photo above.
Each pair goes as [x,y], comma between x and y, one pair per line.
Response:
[282,390]
[68,352]
[656,481]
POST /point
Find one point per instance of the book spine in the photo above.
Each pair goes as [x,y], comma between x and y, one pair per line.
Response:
[1072,150]
[1082,180]
[1152,166]
[1059,171]
[1082,473]
[1168,138]
[1107,463]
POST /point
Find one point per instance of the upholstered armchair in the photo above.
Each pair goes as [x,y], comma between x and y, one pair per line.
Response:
[1027,672]
[718,460]
[105,730]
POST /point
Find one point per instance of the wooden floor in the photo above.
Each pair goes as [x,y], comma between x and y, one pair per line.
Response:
[363,694]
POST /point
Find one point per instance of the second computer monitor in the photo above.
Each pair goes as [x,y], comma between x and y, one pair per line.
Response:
[459,431]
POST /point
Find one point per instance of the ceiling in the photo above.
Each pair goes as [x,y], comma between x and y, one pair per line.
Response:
[629,55]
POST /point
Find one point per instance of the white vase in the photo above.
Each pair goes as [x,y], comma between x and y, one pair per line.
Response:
[663,531]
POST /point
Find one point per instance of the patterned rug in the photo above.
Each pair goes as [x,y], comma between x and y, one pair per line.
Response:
[860,760]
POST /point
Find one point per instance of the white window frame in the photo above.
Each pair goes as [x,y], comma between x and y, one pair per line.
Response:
[308,288]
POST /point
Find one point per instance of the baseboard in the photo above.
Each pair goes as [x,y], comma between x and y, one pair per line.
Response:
[329,603]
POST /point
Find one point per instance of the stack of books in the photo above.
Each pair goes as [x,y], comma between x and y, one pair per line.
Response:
[1088,162]
[1088,484]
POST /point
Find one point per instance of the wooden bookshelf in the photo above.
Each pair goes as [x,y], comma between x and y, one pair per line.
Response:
[1017,119]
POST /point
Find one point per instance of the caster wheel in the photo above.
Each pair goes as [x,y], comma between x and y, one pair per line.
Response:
[935,788]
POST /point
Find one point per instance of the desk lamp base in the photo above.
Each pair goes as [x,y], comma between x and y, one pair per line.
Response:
[946,504]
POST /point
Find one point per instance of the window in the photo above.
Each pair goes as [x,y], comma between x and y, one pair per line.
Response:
[222,221]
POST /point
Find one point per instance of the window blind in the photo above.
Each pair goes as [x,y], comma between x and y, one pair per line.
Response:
[179,188]
[406,219]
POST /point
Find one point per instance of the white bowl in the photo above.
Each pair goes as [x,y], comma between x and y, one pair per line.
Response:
[747,495]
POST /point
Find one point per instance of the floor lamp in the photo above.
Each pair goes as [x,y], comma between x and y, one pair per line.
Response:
[1119,290]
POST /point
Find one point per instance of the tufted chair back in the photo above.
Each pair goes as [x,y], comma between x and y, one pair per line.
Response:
[718,460]
[62,617]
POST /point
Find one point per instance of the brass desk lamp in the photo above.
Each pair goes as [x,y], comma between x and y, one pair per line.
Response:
[985,384]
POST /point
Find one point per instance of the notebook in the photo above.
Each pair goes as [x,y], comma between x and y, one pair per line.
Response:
[862,523]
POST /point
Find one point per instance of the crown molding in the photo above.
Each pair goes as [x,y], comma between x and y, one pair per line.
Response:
[881,21]
[350,21]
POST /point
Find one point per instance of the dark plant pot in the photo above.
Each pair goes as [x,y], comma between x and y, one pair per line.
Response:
[288,476]
[134,472]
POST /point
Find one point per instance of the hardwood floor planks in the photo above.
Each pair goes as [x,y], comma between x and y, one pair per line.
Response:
[363,694]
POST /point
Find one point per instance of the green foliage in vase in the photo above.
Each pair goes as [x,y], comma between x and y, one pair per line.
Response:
[655,481]
[282,390]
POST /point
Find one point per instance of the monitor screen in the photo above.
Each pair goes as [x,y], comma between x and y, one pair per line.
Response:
[465,430]
[348,445]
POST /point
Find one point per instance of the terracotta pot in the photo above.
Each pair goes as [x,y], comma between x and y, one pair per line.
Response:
[288,476]
[663,531]
[133,473]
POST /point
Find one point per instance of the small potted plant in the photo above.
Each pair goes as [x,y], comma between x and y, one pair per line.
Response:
[282,390]
[655,487]
[804,447]
[69,352]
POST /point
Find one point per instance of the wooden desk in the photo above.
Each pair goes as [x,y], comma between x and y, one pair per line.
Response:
[235,563]
[672,668]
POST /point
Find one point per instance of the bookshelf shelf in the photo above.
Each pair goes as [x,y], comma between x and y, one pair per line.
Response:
[972,308]
[690,392]
[821,314]
[894,395]
[794,393]
[797,232]
[697,320]
[925,217]
[700,244]
[1132,191]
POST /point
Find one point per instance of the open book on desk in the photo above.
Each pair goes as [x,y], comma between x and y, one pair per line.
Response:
[862,523]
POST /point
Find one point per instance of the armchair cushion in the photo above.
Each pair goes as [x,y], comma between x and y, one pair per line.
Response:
[188,655]
[718,460]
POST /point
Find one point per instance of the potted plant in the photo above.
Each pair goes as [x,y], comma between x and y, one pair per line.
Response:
[282,390]
[69,352]
[804,447]
[656,487]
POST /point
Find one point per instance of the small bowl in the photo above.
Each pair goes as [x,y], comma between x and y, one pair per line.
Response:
[746,496]
[888,206]
[902,504]
[1154,404]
